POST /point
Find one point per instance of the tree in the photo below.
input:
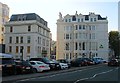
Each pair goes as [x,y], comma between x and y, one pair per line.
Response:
[114,42]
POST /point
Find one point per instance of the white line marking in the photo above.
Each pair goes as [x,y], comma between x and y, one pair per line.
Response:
[100,73]
[25,80]
[96,75]
[59,74]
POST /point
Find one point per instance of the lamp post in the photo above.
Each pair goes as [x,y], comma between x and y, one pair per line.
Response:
[21,51]
[90,55]
[118,42]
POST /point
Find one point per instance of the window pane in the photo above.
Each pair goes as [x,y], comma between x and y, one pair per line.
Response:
[28,49]
[91,19]
[83,26]
[81,19]
[78,20]
[21,40]
[76,35]
[74,18]
[10,49]
[67,46]
[3,29]
[79,27]
[17,39]
[29,28]
[17,49]
[10,40]
[76,27]
[69,20]
[28,39]
[11,29]
[94,19]
[67,36]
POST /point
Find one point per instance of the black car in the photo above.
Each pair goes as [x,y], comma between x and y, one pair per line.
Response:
[113,62]
[7,66]
[65,61]
[23,67]
[78,62]
[52,65]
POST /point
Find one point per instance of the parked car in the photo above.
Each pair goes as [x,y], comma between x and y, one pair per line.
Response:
[65,61]
[7,66]
[98,60]
[113,62]
[89,61]
[52,65]
[23,67]
[62,65]
[78,62]
[39,66]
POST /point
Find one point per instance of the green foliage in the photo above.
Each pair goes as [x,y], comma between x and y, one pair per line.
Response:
[114,42]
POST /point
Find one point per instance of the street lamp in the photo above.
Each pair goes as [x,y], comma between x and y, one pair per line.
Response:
[90,55]
[119,46]
[21,51]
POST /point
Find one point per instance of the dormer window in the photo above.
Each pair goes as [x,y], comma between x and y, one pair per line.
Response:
[94,19]
[81,19]
[74,18]
[78,20]
[91,19]
[69,20]
[65,20]
[21,17]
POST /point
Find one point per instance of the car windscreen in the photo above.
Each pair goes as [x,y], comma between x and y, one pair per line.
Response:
[63,61]
[46,60]
[40,63]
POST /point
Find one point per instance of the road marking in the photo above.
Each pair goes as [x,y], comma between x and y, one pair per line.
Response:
[100,73]
[25,80]
[60,74]
[96,75]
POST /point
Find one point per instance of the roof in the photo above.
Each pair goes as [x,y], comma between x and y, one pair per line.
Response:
[27,17]
[99,17]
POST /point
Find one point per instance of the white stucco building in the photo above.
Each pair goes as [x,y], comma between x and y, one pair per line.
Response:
[82,36]
[27,31]
[4,17]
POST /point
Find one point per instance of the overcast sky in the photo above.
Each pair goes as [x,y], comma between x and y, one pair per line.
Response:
[49,10]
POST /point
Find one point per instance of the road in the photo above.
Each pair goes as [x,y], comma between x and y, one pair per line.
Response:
[93,74]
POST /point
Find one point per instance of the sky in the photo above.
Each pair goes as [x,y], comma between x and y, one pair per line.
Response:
[49,10]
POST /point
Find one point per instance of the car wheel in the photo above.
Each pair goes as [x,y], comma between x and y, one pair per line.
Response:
[34,70]
[60,68]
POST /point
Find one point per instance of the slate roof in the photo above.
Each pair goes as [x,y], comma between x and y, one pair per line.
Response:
[28,16]
[99,17]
